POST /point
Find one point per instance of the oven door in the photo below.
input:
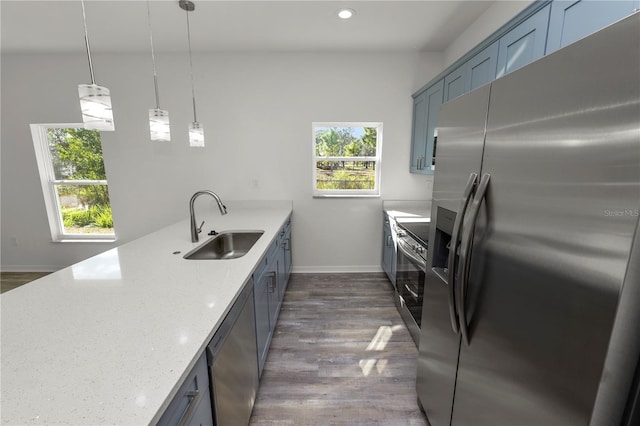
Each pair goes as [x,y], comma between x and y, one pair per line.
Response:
[410,276]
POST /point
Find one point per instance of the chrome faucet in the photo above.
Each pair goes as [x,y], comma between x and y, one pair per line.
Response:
[194,229]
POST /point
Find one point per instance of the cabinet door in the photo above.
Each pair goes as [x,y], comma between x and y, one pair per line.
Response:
[572,20]
[263,325]
[287,255]
[426,109]
[434,102]
[274,295]
[281,272]
[523,44]
[419,132]
[455,83]
[388,250]
[481,69]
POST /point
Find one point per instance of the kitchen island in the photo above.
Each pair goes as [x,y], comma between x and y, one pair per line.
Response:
[109,340]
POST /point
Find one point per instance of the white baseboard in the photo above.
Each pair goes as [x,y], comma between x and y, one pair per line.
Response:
[335,269]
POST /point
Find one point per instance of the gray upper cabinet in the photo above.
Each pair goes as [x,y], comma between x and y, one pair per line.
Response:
[419,131]
[543,27]
[523,44]
[572,20]
[426,109]
[455,84]
[479,70]
[482,67]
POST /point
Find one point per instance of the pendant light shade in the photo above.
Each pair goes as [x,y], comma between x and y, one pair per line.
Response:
[95,104]
[95,101]
[196,135]
[159,127]
[196,131]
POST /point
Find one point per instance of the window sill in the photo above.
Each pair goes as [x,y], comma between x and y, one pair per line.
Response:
[346,195]
[86,240]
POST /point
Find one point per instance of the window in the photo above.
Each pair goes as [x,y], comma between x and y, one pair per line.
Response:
[74,182]
[346,159]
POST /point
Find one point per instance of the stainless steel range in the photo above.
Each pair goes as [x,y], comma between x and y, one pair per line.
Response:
[410,271]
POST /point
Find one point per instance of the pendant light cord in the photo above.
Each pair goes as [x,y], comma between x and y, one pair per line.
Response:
[86,40]
[193,93]
[153,58]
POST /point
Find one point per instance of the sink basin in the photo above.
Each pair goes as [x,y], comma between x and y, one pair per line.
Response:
[226,245]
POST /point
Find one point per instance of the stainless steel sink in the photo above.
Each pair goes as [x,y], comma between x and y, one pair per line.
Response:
[226,245]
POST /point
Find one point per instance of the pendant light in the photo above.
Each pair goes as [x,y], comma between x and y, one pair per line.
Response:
[159,128]
[196,131]
[95,101]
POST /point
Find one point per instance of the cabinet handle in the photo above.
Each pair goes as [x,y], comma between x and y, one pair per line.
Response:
[194,397]
[271,288]
[389,241]
[287,243]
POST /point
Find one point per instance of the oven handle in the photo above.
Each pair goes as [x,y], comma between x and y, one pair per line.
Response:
[406,250]
[466,198]
[465,254]
[411,292]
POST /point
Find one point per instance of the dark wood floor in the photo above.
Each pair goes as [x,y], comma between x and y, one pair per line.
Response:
[340,355]
[11,280]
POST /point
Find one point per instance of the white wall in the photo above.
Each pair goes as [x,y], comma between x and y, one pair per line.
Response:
[257,111]
[491,20]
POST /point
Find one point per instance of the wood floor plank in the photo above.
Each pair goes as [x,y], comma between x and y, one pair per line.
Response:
[340,355]
[11,280]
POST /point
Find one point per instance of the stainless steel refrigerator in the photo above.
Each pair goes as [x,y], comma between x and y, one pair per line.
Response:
[531,299]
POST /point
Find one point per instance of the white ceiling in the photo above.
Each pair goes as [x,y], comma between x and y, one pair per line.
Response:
[236,26]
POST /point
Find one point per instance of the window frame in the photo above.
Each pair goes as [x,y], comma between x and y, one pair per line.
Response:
[377,160]
[49,183]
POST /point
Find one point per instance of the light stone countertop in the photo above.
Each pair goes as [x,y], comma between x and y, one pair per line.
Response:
[110,339]
[407,209]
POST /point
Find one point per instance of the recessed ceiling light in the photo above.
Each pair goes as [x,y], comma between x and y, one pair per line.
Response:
[346,13]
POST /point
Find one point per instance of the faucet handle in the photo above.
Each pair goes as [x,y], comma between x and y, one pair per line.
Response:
[199,229]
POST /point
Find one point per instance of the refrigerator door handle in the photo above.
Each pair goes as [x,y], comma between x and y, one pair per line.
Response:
[451,263]
[465,249]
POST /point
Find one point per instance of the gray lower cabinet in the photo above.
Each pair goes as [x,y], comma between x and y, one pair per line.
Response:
[389,249]
[270,282]
[238,348]
[287,255]
[192,404]
[263,322]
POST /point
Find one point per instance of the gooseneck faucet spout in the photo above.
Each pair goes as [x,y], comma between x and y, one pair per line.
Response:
[195,230]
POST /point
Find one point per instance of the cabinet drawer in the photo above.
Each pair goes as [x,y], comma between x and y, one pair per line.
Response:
[193,397]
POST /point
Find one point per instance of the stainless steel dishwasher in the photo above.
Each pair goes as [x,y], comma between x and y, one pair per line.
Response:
[232,357]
